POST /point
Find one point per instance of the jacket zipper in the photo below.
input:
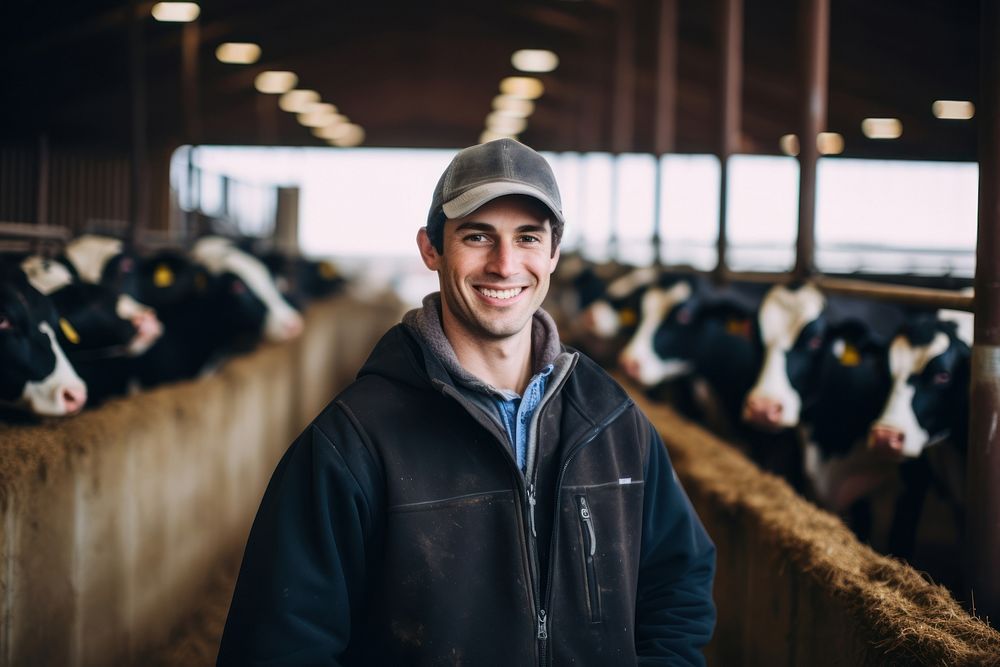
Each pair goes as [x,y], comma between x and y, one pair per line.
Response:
[590,571]
[542,631]
[571,454]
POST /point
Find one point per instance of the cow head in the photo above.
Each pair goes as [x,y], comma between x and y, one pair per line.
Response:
[791,331]
[929,366]
[36,373]
[660,349]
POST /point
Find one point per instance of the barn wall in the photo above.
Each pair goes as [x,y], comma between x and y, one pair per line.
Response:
[793,584]
[111,521]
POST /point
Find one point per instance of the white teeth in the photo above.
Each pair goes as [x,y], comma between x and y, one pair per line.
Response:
[502,293]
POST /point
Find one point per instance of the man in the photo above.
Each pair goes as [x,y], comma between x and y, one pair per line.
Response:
[480,495]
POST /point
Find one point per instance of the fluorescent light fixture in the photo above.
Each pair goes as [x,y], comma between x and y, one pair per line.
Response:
[513,106]
[275,82]
[330,130]
[525,87]
[349,135]
[954,109]
[882,128]
[321,108]
[176,12]
[297,101]
[499,122]
[829,143]
[534,60]
[310,119]
[789,144]
[238,53]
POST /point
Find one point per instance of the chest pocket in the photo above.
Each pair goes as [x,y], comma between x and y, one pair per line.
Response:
[604,535]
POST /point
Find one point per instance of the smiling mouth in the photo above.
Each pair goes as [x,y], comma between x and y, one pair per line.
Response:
[500,293]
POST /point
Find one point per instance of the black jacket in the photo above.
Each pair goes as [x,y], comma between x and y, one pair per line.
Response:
[397,530]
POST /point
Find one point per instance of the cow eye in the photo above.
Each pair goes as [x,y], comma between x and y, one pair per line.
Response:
[238,287]
[684,316]
[942,378]
[815,342]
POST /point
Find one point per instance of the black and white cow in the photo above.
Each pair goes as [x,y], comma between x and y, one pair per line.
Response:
[924,422]
[221,256]
[35,374]
[794,321]
[102,330]
[206,317]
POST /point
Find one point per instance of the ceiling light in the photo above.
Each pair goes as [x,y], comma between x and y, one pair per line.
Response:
[534,60]
[320,117]
[882,128]
[829,143]
[321,108]
[176,12]
[238,53]
[789,144]
[350,135]
[275,82]
[525,87]
[502,123]
[297,101]
[954,109]
[332,129]
[514,106]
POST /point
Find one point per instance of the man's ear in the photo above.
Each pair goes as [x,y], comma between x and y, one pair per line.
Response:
[428,252]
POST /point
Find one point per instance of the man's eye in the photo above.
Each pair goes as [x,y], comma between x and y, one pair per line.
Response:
[476,238]
[530,239]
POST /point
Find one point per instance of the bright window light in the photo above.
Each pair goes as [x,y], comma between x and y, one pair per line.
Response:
[762,212]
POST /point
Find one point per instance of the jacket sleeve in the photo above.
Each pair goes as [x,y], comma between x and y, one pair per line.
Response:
[302,581]
[675,613]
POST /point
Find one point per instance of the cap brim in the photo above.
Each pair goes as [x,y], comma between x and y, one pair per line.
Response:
[469,201]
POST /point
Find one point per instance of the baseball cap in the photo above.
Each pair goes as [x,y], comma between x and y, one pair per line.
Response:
[479,174]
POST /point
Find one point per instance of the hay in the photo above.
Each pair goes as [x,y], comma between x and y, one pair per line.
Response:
[904,618]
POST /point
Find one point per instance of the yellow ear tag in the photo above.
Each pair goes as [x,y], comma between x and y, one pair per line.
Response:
[850,356]
[68,331]
[738,328]
[163,276]
[327,271]
[627,317]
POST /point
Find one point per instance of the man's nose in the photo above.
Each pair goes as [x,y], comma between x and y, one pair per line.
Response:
[502,260]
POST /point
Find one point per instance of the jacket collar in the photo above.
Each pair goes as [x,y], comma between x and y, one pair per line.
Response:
[425,322]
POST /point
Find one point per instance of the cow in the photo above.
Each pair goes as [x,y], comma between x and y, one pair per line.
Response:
[794,320]
[923,424]
[206,317]
[301,280]
[103,330]
[36,375]
[222,256]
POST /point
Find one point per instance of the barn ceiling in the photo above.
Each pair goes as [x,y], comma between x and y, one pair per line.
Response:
[423,74]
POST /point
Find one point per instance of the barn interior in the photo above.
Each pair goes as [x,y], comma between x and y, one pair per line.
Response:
[123,525]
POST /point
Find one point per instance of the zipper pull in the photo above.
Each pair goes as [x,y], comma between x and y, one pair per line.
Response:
[589,522]
[531,509]
[543,625]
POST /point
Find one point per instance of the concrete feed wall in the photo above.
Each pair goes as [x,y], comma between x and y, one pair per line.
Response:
[111,521]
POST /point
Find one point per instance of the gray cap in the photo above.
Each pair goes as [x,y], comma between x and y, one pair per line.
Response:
[482,173]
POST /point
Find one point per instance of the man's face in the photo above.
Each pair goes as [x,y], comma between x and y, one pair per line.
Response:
[494,271]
